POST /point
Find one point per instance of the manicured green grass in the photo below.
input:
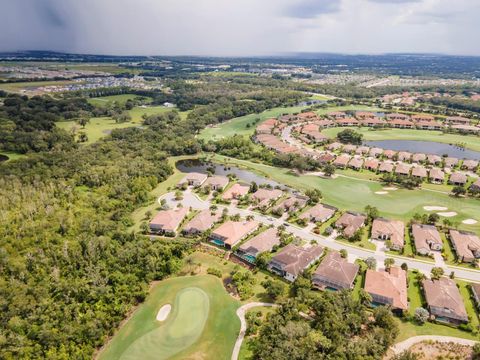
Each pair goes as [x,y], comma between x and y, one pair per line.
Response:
[415,296]
[409,329]
[326,110]
[471,142]
[202,324]
[355,194]
[13,155]
[106,100]
[469,303]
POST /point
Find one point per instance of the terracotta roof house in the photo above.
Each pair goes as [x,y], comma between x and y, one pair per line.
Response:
[419,172]
[230,233]
[401,124]
[466,245]
[422,117]
[426,238]
[335,272]
[293,260]
[429,125]
[470,165]
[217,182]
[264,196]
[265,241]
[292,203]
[404,156]
[388,288]
[466,128]
[319,213]
[347,122]
[375,152]
[396,116]
[193,179]
[451,162]
[475,186]
[371,164]
[325,158]
[444,300]
[324,123]
[436,176]
[337,115]
[373,122]
[364,115]
[356,163]
[334,146]
[349,148]
[458,178]
[266,127]
[361,150]
[168,221]
[434,159]
[458,120]
[341,161]
[419,157]
[393,230]
[202,222]
[349,223]
[389,154]
[402,169]
[308,115]
[385,167]
[236,191]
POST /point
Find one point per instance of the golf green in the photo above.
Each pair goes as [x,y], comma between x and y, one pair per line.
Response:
[181,329]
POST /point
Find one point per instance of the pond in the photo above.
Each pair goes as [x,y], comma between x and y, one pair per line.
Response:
[426,147]
[194,165]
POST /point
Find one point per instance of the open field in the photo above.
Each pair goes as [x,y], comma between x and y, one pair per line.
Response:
[12,155]
[470,142]
[105,100]
[354,194]
[202,323]
[28,85]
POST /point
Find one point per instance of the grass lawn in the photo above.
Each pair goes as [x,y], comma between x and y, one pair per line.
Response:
[29,85]
[12,155]
[202,323]
[471,142]
[119,99]
[353,194]
[409,329]
[469,303]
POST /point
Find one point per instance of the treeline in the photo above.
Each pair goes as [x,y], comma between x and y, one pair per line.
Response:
[454,103]
[70,270]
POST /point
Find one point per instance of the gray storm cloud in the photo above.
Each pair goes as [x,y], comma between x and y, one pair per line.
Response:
[247,27]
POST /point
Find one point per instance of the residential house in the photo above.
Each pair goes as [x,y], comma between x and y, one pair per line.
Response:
[419,172]
[292,260]
[429,125]
[235,192]
[335,272]
[319,213]
[466,245]
[337,115]
[230,233]
[385,167]
[475,187]
[216,182]
[325,158]
[475,288]
[389,154]
[167,222]
[364,115]
[264,197]
[193,179]
[426,238]
[470,165]
[347,122]
[375,152]
[292,203]
[341,161]
[402,169]
[371,164]
[362,150]
[202,222]
[422,117]
[419,157]
[356,163]
[265,241]
[325,123]
[396,116]
[349,223]
[388,288]
[373,122]
[451,162]
[266,127]
[466,128]
[334,146]
[349,148]
[391,230]
[458,120]
[401,124]
[444,301]
[404,156]
[436,176]
[458,178]
[434,159]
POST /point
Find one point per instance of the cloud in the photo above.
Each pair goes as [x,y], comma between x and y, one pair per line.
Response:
[394,1]
[306,9]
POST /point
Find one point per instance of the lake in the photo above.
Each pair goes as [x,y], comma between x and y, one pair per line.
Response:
[195,165]
[426,147]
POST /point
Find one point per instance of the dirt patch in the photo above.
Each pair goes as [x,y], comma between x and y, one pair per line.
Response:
[164,312]
[447,214]
[469,221]
[436,350]
[434,208]
[390,188]
[381,192]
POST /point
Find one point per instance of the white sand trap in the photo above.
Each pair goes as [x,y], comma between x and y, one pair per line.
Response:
[163,312]
[469,221]
[390,188]
[447,214]
[435,208]
[381,192]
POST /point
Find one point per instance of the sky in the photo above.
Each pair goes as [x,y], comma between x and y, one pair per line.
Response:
[241,27]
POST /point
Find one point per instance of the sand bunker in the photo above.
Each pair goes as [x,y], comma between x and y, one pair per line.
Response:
[447,214]
[469,221]
[390,188]
[163,312]
[435,208]
[381,192]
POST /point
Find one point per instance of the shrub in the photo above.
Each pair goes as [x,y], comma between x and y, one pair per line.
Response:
[214,271]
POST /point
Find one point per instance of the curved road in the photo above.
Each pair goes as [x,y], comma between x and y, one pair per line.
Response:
[406,344]
[192,200]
